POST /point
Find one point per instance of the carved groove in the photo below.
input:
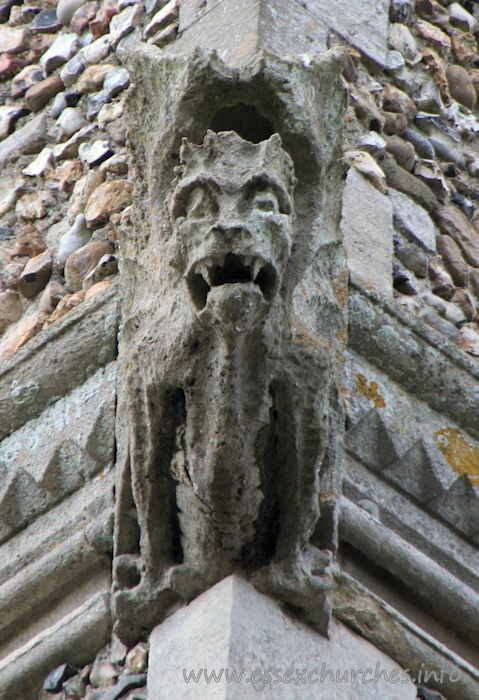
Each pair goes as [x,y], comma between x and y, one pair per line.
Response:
[262,549]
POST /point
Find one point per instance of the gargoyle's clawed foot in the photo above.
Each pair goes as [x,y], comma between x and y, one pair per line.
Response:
[302,583]
[138,610]
[186,581]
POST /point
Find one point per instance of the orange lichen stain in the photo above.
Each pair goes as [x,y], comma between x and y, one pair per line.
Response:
[341,290]
[302,334]
[343,389]
[311,23]
[370,391]
[305,337]
[463,458]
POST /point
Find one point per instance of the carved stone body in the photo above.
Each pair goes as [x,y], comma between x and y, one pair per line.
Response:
[223,420]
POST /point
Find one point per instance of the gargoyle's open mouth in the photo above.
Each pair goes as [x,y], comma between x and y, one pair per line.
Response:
[232,269]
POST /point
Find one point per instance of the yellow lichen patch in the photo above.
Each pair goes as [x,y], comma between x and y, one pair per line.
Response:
[463,458]
[370,391]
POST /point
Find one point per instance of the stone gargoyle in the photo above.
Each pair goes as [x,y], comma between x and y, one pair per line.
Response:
[223,419]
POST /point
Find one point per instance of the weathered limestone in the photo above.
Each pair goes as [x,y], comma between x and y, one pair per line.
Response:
[368,232]
[56,497]
[59,359]
[419,359]
[260,403]
[410,488]
[234,629]
[56,453]
[237,32]
[450,598]
[75,635]
[54,588]
[365,27]
[413,221]
[394,633]
[233,452]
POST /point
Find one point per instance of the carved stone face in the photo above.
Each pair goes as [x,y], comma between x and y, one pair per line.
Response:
[232,221]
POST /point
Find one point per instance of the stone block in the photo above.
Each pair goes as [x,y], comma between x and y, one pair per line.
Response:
[235,628]
[413,221]
[368,232]
[372,442]
[364,25]
[422,361]
[415,472]
[459,506]
[393,632]
[238,31]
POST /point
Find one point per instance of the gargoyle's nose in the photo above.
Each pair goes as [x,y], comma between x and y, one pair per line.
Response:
[230,232]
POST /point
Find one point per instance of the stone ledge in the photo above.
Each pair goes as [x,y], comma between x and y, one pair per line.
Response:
[420,359]
[421,530]
[78,513]
[39,586]
[53,455]
[76,637]
[54,593]
[57,360]
[400,638]
[448,596]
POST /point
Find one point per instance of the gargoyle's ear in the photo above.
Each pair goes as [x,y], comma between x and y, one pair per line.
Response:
[185,150]
[275,140]
[210,141]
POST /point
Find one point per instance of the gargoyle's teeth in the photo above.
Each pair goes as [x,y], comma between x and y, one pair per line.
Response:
[229,269]
[202,269]
[256,268]
[206,270]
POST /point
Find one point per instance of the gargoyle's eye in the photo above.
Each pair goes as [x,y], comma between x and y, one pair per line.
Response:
[197,203]
[262,196]
[266,201]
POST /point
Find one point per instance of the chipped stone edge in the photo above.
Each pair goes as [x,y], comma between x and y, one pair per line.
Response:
[399,638]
